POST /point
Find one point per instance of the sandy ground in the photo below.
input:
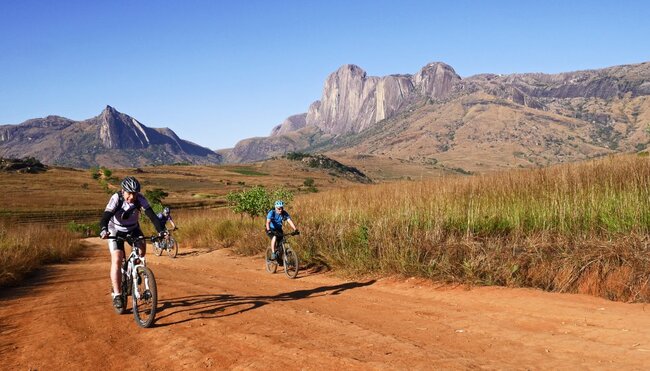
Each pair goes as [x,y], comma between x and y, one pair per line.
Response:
[222,311]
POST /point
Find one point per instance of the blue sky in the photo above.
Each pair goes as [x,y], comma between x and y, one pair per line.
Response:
[217,72]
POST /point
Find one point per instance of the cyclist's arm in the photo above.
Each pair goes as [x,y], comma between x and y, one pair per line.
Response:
[154,219]
[268,224]
[291,224]
[110,210]
[172,223]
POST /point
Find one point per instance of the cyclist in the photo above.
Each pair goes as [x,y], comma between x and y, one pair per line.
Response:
[166,216]
[120,219]
[274,220]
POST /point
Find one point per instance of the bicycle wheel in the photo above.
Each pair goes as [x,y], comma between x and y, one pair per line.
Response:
[271,265]
[290,262]
[157,249]
[145,298]
[172,247]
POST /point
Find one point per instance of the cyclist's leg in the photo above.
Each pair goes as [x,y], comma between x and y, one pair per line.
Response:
[116,249]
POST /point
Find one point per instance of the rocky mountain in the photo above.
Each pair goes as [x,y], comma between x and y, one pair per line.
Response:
[477,123]
[110,139]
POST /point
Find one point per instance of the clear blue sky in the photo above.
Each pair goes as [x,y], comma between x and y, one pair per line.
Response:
[216,71]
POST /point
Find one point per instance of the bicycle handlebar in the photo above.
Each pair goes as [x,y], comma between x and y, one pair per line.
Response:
[294,233]
[131,239]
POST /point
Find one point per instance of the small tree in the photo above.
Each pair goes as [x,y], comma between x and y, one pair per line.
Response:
[256,201]
[155,197]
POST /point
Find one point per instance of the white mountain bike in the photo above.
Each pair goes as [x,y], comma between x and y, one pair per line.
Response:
[139,282]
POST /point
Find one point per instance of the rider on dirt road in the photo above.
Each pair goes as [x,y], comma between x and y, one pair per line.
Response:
[274,220]
[121,217]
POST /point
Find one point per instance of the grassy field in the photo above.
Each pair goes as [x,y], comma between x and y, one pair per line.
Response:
[26,248]
[35,206]
[569,228]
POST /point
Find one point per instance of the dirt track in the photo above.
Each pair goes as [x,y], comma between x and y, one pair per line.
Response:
[219,310]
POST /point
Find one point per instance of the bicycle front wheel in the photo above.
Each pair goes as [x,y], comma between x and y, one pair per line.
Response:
[271,265]
[172,247]
[145,297]
[290,262]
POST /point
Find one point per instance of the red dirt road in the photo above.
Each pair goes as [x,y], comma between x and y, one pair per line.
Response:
[218,310]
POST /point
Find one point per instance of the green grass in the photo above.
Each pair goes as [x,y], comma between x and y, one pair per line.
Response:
[247,171]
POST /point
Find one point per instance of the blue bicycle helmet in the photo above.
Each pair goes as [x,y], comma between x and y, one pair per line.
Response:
[279,204]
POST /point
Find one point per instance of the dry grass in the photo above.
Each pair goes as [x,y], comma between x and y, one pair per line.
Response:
[570,228]
[25,249]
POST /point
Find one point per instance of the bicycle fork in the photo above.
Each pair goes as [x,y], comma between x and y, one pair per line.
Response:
[135,279]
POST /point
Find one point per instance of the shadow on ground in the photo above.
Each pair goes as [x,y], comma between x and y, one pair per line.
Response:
[224,305]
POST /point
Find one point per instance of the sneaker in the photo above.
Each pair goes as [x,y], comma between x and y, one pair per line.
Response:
[274,256]
[117,301]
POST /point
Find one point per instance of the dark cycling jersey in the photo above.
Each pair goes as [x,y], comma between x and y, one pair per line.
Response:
[164,219]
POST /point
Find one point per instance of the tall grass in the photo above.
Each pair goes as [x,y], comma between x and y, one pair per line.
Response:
[570,228]
[26,247]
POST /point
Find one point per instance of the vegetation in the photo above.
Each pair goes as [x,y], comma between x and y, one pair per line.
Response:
[24,249]
[324,162]
[24,165]
[571,228]
[155,197]
[247,171]
[256,201]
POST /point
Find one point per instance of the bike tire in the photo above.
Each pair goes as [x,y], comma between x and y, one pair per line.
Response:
[172,247]
[157,249]
[271,265]
[291,264]
[144,307]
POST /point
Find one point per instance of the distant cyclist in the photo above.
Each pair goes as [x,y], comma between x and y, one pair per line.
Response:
[121,217]
[274,220]
[166,216]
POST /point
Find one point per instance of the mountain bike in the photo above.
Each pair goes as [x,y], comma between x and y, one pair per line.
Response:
[286,256]
[139,282]
[165,243]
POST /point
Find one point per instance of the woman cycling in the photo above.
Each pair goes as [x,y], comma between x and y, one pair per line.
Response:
[121,217]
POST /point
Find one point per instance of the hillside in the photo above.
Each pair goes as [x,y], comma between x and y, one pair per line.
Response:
[479,123]
[111,139]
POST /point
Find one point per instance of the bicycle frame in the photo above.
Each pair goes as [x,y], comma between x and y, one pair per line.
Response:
[131,264]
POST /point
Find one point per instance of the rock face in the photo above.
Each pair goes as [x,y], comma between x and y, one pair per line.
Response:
[353,101]
[584,113]
[111,139]
[293,123]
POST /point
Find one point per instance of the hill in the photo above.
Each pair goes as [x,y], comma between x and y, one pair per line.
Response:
[479,123]
[111,139]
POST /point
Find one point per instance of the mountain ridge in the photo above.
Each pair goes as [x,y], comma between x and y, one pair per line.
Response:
[111,138]
[549,118]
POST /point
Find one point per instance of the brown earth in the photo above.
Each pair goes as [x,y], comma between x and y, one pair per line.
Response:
[219,310]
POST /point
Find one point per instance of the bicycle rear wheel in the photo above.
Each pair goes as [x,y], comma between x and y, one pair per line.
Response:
[157,249]
[146,299]
[271,265]
[290,262]
[172,247]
